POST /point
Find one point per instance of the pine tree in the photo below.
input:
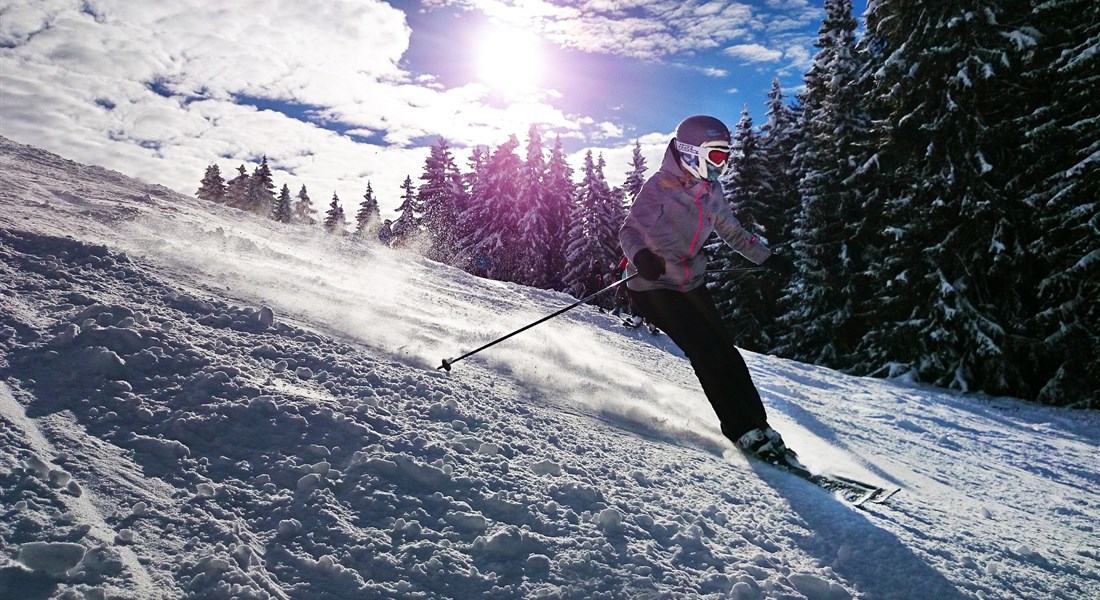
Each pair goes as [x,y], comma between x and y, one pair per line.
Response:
[441,199]
[559,191]
[490,222]
[534,220]
[406,228]
[616,206]
[281,211]
[619,205]
[260,193]
[778,136]
[826,324]
[947,303]
[748,302]
[236,189]
[473,181]
[635,178]
[303,208]
[335,220]
[1061,184]
[369,219]
[212,188]
[748,178]
[471,256]
[593,250]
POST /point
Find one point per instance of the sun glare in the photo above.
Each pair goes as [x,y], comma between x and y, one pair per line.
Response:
[510,61]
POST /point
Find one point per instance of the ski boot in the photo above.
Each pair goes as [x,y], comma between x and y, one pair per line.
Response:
[766,444]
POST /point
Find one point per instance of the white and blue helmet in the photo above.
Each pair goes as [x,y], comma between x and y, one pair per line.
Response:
[703,144]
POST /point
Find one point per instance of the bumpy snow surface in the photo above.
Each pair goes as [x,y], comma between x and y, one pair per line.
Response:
[196,403]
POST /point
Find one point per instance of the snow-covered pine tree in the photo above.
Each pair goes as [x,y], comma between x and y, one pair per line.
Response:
[335,220]
[746,180]
[406,229]
[490,247]
[236,189]
[260,194]
[369,219]
[534,218]
[441,199]
[747,302]
[558,193]
[616,205]
[778,136]
[620,205]
[947,303]
[282,211]
[635,178]
[470,256]
[826,323]
[1061,185]
[212,188]
[593,250]
[473,183]
[303,208]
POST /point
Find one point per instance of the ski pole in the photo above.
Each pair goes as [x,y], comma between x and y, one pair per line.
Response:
[447,362]
[739,270]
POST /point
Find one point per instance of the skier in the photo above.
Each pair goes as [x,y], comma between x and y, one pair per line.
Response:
[663,234]
[622,309]
[385,232]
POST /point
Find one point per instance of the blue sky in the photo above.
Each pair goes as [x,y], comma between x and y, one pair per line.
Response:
[631,68]
[341,92]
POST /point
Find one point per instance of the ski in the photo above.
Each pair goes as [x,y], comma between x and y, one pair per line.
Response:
[857,493]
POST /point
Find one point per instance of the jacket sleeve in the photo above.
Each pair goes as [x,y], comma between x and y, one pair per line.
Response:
[744,243]
[642,217]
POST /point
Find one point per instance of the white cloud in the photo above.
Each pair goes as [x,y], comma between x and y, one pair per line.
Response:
[753,53]
[799,56]
[646,29]
[138,82]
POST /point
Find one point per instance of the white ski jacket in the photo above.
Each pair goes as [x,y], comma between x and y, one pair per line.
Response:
[673,215]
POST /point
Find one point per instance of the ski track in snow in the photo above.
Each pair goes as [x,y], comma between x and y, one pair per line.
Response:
[199,404]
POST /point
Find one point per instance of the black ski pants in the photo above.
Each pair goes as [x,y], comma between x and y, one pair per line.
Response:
[692,321]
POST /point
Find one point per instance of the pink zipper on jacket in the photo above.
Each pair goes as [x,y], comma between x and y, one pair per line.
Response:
[695,238]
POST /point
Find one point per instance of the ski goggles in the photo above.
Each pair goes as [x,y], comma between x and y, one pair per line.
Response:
[715,153]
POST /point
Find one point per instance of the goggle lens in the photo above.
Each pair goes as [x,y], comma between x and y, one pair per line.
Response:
[718,157]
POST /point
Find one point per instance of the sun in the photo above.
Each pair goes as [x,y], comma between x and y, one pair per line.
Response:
[510,61]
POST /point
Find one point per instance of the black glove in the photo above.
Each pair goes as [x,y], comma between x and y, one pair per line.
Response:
[649,265]
[780,264]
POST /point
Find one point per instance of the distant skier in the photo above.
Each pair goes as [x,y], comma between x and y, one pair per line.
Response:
[385,232]
[623,309]
[663,234]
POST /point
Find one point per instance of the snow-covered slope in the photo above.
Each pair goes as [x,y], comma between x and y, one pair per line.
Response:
[196,403]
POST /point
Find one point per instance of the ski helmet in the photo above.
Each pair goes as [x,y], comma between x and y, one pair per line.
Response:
[703,144]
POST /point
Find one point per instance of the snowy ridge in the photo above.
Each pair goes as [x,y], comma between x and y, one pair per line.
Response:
[196,403]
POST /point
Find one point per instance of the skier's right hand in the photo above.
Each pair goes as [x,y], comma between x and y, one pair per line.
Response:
[780,264]
[650,266]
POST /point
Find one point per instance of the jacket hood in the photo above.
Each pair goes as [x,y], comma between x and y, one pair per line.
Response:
[671,162]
